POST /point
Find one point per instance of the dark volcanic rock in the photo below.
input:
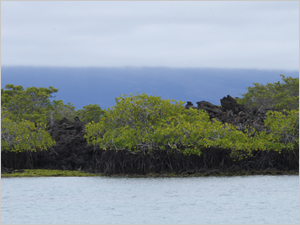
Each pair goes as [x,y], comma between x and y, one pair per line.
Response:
[71,151]
[78,125]
[209,107]
[229,103]
[11,170]
[190,105]
[231,112]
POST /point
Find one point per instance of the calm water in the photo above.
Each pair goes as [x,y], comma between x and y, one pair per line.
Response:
[93,200]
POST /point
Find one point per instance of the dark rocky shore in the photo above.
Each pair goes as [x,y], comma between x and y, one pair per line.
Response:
[71,152]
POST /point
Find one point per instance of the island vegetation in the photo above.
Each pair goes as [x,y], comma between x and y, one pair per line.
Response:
[145,134]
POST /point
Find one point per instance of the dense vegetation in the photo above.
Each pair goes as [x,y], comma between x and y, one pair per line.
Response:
[142,123]
[27,113]
[276,95]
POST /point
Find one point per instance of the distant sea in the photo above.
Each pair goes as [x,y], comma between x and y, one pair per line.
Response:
[93,85]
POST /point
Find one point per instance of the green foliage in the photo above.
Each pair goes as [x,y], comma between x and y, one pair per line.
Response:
[282,133]
[143,122]
[24,136]
[31,104]
[284,127]
[48,173]
[273,95]
[24,114]
[149,122]
[89,113]
[61,110]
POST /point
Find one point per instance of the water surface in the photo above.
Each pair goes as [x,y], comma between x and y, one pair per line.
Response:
[94,200]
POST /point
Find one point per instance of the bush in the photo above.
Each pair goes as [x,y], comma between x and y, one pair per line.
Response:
[142,122]
[277,95]
[24,115]
[31,104]
[24,136]
[61,110]
[89,113]
[285,127]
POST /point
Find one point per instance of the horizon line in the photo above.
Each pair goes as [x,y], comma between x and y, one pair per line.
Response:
[141,67]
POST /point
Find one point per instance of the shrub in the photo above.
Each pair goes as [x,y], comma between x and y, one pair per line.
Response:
[273,95]
[60,110]
[24,136]
[89,113]
[31,104]
[142,122]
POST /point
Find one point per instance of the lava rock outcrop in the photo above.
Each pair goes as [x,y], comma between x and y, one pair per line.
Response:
[231,112]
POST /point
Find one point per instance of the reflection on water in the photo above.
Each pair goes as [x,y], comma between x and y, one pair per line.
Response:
[94,200]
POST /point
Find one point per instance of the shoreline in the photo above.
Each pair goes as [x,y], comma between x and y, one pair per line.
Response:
[72,152]
[74,173]
[82,160]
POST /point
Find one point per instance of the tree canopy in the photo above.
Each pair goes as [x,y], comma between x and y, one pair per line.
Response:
[26,113]
[23,136]
[145,122]
[59,110]
[89,113]
[276,95]
[31,104]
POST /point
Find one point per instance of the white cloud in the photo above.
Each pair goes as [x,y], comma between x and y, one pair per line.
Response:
[262,35]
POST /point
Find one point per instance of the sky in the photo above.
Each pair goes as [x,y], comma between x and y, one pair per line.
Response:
[176,34]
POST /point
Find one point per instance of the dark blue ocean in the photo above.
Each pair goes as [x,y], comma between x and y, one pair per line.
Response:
[92,85]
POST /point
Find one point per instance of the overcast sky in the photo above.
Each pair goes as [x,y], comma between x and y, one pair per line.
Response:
[259,35]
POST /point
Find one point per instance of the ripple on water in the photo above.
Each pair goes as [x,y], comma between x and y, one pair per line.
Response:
[253,199]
